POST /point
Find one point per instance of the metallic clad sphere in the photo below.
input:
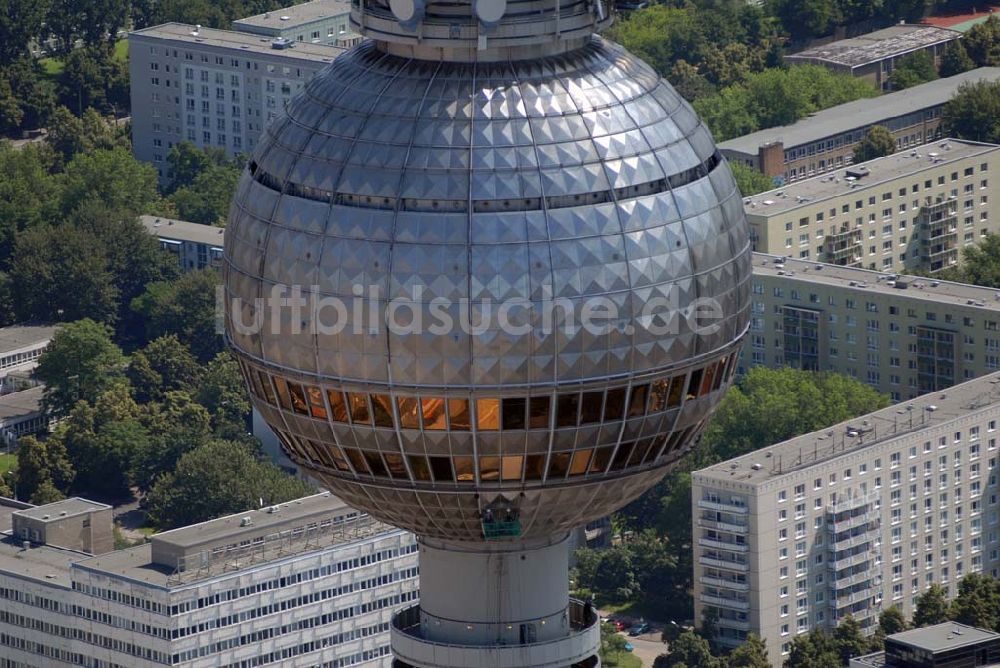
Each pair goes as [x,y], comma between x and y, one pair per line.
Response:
[412,193]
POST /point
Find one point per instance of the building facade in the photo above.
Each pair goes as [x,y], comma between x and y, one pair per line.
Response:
[22,414]
[825,141]
[903,335]
[874,56]
[946,645]
[21,346]
[212,87]
[317,22]
[306,583]
[196,246]
[849,520]
[908,211]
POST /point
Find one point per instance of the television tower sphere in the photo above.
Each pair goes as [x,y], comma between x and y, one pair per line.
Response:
[487,278]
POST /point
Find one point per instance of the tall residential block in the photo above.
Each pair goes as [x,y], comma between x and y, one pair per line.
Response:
[212,87]
[903,335]
[913,210]
[310,582]
[849,520]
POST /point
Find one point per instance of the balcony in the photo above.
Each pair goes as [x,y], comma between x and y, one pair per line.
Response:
[851,580]
[580,644]
[720,545]
[852,560]
[725,584]
[834,526]
[731,603]
[840,602]
[721,506]
[722,526]
[724,563]
[853,541]
[739,625]
[844,247]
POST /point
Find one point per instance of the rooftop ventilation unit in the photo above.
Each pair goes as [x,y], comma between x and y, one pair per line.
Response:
[857,172]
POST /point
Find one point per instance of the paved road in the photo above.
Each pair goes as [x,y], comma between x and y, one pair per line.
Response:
[647,647]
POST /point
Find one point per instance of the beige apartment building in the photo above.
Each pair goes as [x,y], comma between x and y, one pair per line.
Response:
[903,335]
[913,210]
[849,520]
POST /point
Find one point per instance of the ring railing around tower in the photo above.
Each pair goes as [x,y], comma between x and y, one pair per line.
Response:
[575,649]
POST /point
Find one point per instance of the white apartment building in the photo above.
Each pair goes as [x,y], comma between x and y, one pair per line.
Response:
[305,583]
[212,87]
[903,335]
[196,246]
[21,346]
[907,211]
[849,520]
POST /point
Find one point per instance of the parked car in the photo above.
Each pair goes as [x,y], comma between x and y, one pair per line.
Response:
[619,624]
[638,629]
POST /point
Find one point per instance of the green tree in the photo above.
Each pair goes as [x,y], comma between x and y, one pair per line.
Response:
[61,273]
[46,493]
[112,178]
[224,395]
[80,363]
[27,97]
[749,180]
[690,650]
[849,641]
[162,366]
[689,82]
[751,654]
[876,143]
[176,426]
[41,464]
[982,42]
[70,135]
[20,22]
[208,197]
[813,650]
[932,607]
[913,69]
[219,478]
[806,18]
[95,22]
[660,35]
[29,195]
[184,307]
[93,77]
[955,59]
[978,602]
[187,162]
[611,649]
[980,263]
[973,112]
[892,621]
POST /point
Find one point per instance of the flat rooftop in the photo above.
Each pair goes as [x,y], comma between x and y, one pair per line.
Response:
[239,41]
[928,410]
[296,15]
[860,113]
[182,230]
[17,337]
[879,45]
[20,404]
[51,565]
[941,637]
[880,171]
[868,281]
[232,527]
[62,509]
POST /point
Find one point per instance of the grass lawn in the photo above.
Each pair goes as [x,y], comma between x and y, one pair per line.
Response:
[121,50]
[7,462]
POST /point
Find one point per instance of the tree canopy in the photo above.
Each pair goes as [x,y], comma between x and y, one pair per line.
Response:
[80,364]
[749,180]
[913,69]
[974,112]
[876,143]
[238,480]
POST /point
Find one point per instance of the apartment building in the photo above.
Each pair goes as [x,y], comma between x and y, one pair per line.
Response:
[825,140]
[317,22]
[310,582]
[196,246]
[849,520]
[212,87]
[903,335]
[908,211]
[873,56]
